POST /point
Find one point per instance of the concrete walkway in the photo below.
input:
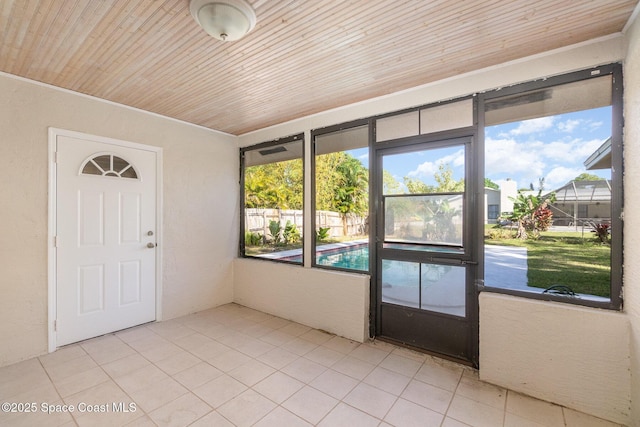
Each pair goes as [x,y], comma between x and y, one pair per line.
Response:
[506,267]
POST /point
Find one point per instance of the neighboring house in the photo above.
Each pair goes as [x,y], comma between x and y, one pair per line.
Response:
[582,202]
[498,201]
[492,205]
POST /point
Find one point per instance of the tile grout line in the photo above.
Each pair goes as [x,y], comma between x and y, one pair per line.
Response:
[114,380]
[453,396]
[53,384]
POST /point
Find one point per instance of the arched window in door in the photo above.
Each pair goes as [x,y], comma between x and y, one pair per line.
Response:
[109,165]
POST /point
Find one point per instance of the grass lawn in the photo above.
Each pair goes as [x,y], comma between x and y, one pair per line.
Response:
[565,258]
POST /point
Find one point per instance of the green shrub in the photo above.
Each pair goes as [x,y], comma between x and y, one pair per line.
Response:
[275,230]
[322,234]
[252,239]
[498,233]
[290,234]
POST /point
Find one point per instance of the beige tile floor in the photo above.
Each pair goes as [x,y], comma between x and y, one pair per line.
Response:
[235,366]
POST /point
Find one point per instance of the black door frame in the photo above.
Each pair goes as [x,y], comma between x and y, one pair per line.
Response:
[474,195]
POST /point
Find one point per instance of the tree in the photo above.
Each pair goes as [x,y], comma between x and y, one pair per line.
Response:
[532,214]
[444,179]
[436,212]
[541,183]
[389,184]
[351,194]
[274,185]
[490,184]
[327,178]
[446,183]
[415,186]
[587,177]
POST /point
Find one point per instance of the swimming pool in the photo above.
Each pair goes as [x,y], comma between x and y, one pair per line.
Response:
[352,257]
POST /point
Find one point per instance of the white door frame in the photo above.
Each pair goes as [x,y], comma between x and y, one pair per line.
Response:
[52,232]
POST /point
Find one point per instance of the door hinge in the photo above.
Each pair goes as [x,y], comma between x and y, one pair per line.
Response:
[55,325]
[55,241]
[55,157]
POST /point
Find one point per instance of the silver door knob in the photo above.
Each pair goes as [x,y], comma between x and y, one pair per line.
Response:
[151,245]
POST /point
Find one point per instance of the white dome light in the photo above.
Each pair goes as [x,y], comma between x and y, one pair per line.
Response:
[226,20]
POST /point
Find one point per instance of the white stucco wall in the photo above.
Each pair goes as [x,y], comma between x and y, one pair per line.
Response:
[632,207]
[574,356]
[335,302]
[200,205]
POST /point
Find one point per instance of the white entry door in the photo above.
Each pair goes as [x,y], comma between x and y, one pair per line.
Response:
[105,237]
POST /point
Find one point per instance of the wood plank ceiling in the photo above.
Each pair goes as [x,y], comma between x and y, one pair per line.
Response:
[303,56]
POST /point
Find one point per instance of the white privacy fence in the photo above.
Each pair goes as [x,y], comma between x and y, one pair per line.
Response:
[257,221]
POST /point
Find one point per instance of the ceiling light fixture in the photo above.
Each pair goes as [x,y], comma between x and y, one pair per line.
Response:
[226,20]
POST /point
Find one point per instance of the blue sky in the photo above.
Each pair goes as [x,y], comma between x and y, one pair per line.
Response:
[553,147]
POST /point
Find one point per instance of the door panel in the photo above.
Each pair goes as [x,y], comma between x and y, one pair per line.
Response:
[435,287]
[418,328]
[424,219]
[425,266]
[105,233]
[130,217]
[129,281]
[443,289]
[90,289]
[91,218]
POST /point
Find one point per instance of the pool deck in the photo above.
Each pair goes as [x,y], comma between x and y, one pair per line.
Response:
[321,248]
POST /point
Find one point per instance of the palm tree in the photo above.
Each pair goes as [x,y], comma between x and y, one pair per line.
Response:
[351,192]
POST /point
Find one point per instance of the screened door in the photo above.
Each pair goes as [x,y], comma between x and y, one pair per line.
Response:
[425,268]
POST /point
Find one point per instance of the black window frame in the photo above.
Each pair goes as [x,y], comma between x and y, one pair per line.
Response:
[299,137]
[617,174]
[323,131]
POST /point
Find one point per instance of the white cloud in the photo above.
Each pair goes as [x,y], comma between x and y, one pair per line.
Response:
[506,156]
[573,151]
[569,125]
[532,126]
[583,149]
[428,169]
[558,161]
[456,159]
[594,125]
[559,150]
[559,176]
[424,169]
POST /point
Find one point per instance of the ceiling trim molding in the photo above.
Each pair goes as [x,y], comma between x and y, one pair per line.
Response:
[632,18]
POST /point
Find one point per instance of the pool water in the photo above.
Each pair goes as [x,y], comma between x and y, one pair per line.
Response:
[353,258]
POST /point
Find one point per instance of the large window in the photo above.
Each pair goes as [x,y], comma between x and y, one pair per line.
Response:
[272,200]
[546,154]
[341,184]
[553,151]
